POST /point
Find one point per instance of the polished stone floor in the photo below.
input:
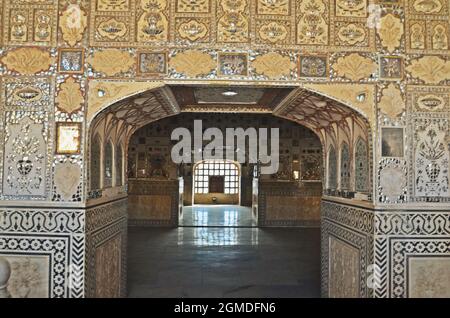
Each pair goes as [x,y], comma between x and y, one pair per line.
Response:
[217,215]
[223,262]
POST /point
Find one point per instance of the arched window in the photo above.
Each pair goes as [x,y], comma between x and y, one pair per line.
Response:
[361,166]
[108,165]
[119,165]
[332,169]
[95,163]
[345,167]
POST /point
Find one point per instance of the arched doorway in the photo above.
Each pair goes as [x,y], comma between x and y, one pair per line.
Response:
[340,129]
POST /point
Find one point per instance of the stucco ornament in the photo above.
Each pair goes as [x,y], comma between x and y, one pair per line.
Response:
[111,61]
[273,65]
[391,102]
[193,63]
[69,98]
[354,67]
[430,69]
[27,60]
[390,31]
[72,22]
[67,179]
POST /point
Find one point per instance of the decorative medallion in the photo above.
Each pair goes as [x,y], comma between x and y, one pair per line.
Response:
[152,63]
[313,66]
[111,28]
[106,61]
[67,179]
[71,61]
[192,30]
[27,60]
[69,97]
[355,67]
[72,22]
[391,102]
[233,64]
[430,69]
[390,31]
[273,65]
[193,63]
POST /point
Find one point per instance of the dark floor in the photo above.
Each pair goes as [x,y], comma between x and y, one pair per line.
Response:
[223,262]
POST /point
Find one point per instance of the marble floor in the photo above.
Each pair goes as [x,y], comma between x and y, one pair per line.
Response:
[223,262]
[217,215]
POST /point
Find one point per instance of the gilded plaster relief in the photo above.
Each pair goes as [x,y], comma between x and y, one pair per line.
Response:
[431,160]
[102,94]
[428,98]
[193,63]
[193,6]
[153,24]
[192,30]
[273,65]
[28,276]
[270,7]
[106,61]
[27,61]
[32,23]
[390,31]
[351,34]
[73,22]
[351,8]
[233,24]
[24,170]
[67,179]
[273,31]
[391,102]
[354,67]
[69,98]
[358,96]
[430,69]
[427,6]
[344,269]
[312,27]
[112,28]
[426,277]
